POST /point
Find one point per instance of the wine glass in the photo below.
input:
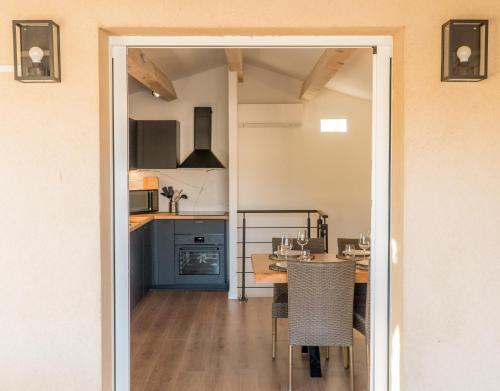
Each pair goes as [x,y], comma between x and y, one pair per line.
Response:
[302,240]
[286,245]
[349,251]
[364,243]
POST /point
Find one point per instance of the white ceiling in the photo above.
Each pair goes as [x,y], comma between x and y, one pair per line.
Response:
[293,62]
[354,78]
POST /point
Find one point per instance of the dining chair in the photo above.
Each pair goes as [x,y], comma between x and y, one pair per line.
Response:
[359,289]
[279,307]
[361,316]
[320,307]
[342,242]
[315,245]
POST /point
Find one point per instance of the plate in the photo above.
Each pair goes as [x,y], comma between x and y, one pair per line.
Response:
[278,267]
[291,253]
[363,262]
[274,257]
[356,253]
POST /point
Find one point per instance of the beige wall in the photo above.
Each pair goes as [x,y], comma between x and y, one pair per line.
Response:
[50,247]
[302,168]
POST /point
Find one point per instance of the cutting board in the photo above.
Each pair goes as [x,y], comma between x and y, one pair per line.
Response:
[147,183]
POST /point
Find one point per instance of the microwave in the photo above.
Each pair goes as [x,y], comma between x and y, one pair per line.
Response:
[143,201]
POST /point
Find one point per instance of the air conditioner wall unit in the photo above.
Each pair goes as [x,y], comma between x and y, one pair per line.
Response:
[288,115]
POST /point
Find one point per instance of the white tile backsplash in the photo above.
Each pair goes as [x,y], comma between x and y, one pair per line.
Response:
[207,189]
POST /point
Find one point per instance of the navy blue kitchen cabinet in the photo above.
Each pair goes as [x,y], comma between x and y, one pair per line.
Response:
[148,240]
[136,267]
[132,137]
[177,254]
[199,227]
[163,258]
[141,263]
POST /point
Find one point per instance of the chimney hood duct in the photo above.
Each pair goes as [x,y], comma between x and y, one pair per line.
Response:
[202,156]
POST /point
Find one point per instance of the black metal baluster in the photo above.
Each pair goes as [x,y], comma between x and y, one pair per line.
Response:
[308,224]
[324,227]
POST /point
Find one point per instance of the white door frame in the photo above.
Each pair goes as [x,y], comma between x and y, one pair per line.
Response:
[379,377]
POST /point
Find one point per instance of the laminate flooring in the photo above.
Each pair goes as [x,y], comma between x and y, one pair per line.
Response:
[202,341]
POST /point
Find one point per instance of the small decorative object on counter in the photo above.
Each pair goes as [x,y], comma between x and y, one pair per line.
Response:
[173,207]
[167,192]
[36,51]
[174,196]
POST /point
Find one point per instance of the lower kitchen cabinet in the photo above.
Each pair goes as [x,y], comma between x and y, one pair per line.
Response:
[163,253]
[136,267]
[177,254]
[148,241]
[141,265]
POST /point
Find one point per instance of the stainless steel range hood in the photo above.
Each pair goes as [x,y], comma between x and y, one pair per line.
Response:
[202,156]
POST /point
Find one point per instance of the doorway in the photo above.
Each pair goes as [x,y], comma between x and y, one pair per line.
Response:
[380,181]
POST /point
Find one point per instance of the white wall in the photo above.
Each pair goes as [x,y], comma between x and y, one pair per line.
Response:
[207,189]
[302,168]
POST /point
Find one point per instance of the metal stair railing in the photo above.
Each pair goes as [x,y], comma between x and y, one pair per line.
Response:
[321,232]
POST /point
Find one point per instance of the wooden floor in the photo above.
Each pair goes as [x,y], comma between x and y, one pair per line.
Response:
[203,341]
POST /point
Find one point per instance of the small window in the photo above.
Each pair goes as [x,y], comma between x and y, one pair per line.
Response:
[337,125]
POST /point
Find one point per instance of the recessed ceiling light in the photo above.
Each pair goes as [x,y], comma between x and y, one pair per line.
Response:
[333,125]
[155,94]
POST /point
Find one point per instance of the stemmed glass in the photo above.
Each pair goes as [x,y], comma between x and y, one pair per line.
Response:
[286,245]
[302,240]
[349,251]
[364,243]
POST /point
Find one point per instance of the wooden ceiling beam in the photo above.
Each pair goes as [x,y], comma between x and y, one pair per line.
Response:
[147,73]
[234,59]
[327,66]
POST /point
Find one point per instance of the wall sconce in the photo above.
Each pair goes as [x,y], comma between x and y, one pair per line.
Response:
[36,51]
[464,50]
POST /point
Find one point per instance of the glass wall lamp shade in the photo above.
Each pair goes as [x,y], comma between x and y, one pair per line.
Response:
[464,50]
[37,57]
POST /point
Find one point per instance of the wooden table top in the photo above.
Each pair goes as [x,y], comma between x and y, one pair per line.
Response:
[261,262]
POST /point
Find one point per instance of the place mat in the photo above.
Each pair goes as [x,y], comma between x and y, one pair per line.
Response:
[274,257]
[344,258]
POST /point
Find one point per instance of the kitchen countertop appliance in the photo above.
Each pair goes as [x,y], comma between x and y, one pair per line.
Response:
[200,261]
[143,201]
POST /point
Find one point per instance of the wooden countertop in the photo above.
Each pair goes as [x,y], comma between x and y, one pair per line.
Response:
[261,262]
[138,220]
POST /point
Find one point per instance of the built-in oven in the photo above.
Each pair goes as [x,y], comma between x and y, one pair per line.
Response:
[143,201]
[200,261]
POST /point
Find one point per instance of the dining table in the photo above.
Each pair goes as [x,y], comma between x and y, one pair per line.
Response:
[264,275]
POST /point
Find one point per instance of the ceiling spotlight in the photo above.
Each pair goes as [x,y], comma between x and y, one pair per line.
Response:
[155,94]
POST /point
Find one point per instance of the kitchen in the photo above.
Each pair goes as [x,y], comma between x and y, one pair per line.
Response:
[175,172]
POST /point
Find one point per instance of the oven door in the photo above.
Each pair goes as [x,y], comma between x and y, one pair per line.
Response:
[202,266]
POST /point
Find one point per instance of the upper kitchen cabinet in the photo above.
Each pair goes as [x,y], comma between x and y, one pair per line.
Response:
[132,146]
[154,144]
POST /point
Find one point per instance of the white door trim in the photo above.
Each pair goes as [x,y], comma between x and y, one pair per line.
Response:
[379,272]
[233,182]
[380,182]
